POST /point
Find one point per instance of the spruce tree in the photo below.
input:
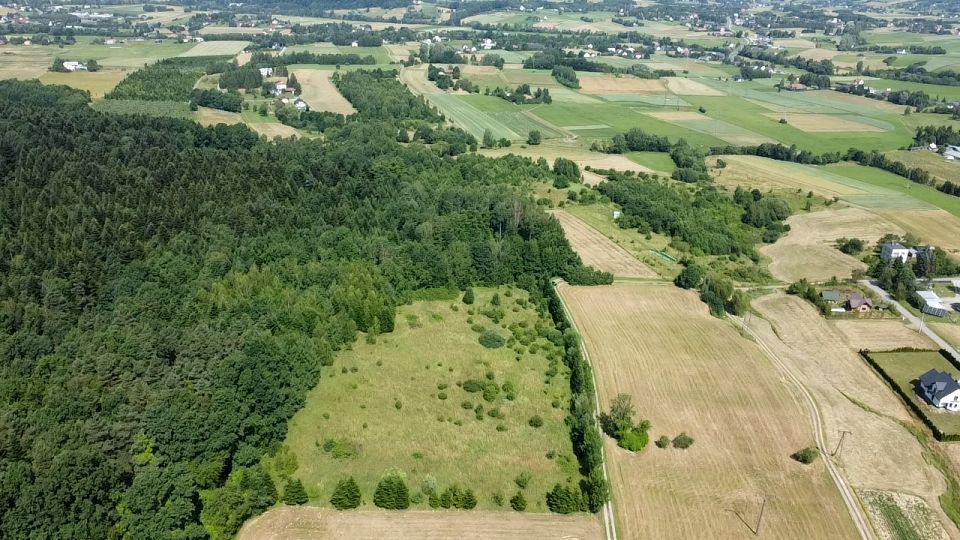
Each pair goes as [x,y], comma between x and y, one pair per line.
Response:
[294,493]
[346,495]
[468,296]
[392,493]
[468,501]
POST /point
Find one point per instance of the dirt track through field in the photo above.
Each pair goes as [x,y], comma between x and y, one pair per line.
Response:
[877,451]
[600,252]
[688,371]
[311,523]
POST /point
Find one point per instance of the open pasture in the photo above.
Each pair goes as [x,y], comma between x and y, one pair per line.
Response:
[880,453]
[217,48]
[600,252]
[311,523]
[808,249]
[824,123]
[27,62]
[97,83]
[881,335]
[402,402]
[688,371]
[320,93]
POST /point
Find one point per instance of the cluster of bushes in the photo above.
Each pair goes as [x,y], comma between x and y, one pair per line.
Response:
[224,101]
[691,167]
[566,499]
[806,455]
[522,95]
[565,171]
[618,423]
[851,246]
[566,76]
[491,339]
[494,60]
[804,289]
[453,497]
[783,58]
[715,291]
[392,493]
[454,80]
[440,53]
[681,441]
[310,120]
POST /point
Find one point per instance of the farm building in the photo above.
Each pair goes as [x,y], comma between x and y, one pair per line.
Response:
[894,250]
[931,304]
[74,66]
[941,389]
[300,104]
[952,152]
[266,72]
[830,296]
[858,302]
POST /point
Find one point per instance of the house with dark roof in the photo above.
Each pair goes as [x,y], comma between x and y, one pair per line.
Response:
[941,389]
[858,302]
[830,296]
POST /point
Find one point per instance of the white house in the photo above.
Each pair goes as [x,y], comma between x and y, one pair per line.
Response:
[74,66]
[894,250]
[280,88]
[952,152]
[266,72]
[300,104]
[941,389]
[354,44]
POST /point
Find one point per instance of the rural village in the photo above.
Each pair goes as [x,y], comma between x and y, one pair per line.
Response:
[480,269]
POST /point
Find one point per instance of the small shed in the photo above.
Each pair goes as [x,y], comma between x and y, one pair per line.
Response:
[830,296]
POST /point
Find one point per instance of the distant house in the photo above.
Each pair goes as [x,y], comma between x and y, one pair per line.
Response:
[894,250]
[354,44]
[797,87]
[266,72]
[74,66]
[931,304]
[941,389]
[952,152]
[300,104]
[857,302]
[830,296]
[279,88]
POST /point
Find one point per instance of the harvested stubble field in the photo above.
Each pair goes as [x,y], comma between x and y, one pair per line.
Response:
[97,83]
[937,227]
[551,150]
[217,48]
[933,163]
[824,123]
[311,523]
[600,252]
[320,93]
[688,371]
[274,129]
[764,174]
[880,453]
[808,249]
[882,335]
[212,117]
[688,87]
[605,85]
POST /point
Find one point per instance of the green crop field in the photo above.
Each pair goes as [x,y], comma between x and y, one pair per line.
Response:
[905,368]
[477,114]
[923,196]
[24,62]
[658,161]
[400,404]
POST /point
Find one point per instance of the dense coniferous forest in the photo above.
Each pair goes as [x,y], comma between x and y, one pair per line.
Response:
[169,293]
[165,80]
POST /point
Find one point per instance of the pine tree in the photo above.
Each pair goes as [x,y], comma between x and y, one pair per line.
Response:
[469,500]
[392,493]
[565,500]
[346,495]
[294,493]
[468,296]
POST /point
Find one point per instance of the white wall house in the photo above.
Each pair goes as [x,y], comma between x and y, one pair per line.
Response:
[73,66]
[893,250]
[941,389]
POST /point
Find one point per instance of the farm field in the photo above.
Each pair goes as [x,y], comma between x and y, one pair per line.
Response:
[934,164]
[274,129]
[881,335]
[808,250]
[949,332]
[657,161]
[217,48]
[552,149]
[320,93]
[880,453]
[310,523]
[600,252]
[399,404]
[906,367]
[97,83]
[27,62]
[211,117]
[688,371]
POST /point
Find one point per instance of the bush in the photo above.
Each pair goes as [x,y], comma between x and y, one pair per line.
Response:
[346,495]
[565,500]
[536,421]
[682,441]
[663,441]
[468,296]
[807,455]
[635,439]
[392,493]
[473,385]
[491,339]
[498,499]
[518,502]
[293,492]
[522,480]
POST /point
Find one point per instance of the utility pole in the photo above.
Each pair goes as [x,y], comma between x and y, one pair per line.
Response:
[843,434]
[763,506]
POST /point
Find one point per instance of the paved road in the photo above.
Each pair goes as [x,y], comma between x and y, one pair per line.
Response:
[911,317]
[846,492]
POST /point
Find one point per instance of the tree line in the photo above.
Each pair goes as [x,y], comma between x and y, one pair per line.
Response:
[169,293]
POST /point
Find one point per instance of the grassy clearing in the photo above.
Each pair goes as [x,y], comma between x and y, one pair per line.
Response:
[905,368]
[688,371]
[657,161]
[430,434]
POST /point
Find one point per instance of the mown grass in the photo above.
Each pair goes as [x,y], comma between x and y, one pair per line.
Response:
[396,403]
[906,367]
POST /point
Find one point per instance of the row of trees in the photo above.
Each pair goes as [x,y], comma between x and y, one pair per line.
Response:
[215,99]
[184,286]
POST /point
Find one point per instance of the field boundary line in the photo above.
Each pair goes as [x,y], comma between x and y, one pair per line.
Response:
[849,496]
[609,519]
